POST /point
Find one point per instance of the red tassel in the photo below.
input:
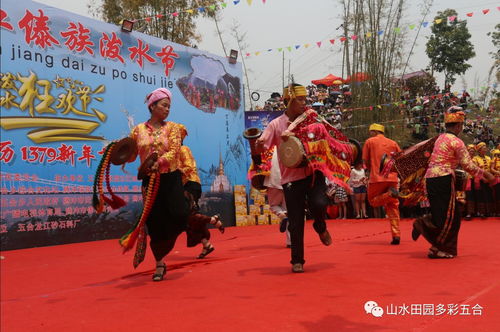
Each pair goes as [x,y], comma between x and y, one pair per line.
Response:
[114,202]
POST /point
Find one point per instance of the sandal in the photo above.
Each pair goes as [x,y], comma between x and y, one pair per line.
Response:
[218,224]
[159,276]
[205,252]
[438,254]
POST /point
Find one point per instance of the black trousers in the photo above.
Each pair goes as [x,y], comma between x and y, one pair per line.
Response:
[445,214]
[310,190]
[168,216]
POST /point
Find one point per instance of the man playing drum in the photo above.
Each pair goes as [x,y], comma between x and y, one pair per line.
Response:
[300,184]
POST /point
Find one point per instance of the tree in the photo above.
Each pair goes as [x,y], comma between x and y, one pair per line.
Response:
[373,44]
[495,39]
[179,28]
[449,47]
[421,85]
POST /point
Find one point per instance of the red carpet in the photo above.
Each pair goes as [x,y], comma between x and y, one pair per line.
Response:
[246,284]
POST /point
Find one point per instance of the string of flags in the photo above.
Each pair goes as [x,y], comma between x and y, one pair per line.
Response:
[492,120]
[192,10]
[404,102]
[342,39]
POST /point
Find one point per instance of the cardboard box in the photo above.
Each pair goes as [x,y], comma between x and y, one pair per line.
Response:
[263,219]
[251,220]
[254,210]
[241,220]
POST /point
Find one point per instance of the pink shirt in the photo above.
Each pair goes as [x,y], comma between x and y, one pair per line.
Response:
[271,137]
[449,152]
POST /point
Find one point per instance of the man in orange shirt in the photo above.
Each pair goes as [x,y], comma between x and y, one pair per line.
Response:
[382,191]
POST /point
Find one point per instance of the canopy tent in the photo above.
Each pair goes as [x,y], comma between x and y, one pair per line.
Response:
[357,77]
[328,80]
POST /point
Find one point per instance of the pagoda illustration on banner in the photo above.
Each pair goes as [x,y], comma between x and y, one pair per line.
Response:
[221,182]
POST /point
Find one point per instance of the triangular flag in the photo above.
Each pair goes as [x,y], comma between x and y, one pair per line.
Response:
[201,9]
[380,32]
[159,15]
[412,26]
[297,47]
[424,24]
[248,54]
[190,11]
[249,2]
[371,108]
[343,39]
[224,5]
[439,20]
[452,18]
[264,2]
[257,53]
[318,43]
[175,14]
[236,2]
[498,8]
[472,89]
[397,30]
[379,106]
[212,7]
[148,19]
[354,37]
[280,49]
[368,34]
[307,45]
[269,50]
[486,11]
[289,48]
[470,14]
[332,41]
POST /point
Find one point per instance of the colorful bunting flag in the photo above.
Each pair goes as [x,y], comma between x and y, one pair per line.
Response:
[318,43]
[470,14]
[424,24]
[368,34]
[439,20]
[249,2]
[343,39]
[397,30]
[297,47]
[380,32]
[332,41]
[486,11]
[412,26]
[354,37]
[452,18]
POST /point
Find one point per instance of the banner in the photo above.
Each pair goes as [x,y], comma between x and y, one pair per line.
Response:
[69,86]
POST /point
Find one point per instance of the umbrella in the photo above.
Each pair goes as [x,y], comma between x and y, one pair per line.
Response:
[327,80]
[358,77]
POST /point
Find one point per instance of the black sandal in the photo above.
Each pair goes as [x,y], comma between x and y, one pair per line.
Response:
[159,276]
[206,251]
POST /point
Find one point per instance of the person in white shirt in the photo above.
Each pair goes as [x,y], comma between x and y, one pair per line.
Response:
[357,182]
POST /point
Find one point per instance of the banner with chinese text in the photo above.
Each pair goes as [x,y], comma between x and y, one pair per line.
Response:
[69,86]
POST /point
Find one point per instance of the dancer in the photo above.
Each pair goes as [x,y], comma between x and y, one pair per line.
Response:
[197,230]
[382,191]
[299,184]
[470,190]
[442,227]
[168,212]
[483,190]
[495,170]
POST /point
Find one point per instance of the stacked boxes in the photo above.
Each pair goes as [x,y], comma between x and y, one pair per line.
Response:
[259,213]
[240,204]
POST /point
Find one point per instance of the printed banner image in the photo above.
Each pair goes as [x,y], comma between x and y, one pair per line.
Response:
[69,86]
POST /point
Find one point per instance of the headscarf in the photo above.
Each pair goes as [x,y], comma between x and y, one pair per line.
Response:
[158,94]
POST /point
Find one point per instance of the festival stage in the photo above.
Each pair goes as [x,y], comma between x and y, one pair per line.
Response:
[246,284]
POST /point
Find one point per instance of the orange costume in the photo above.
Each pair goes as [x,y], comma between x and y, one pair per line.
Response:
[379,193]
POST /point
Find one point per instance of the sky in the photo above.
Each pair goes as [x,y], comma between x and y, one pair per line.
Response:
[283,23]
